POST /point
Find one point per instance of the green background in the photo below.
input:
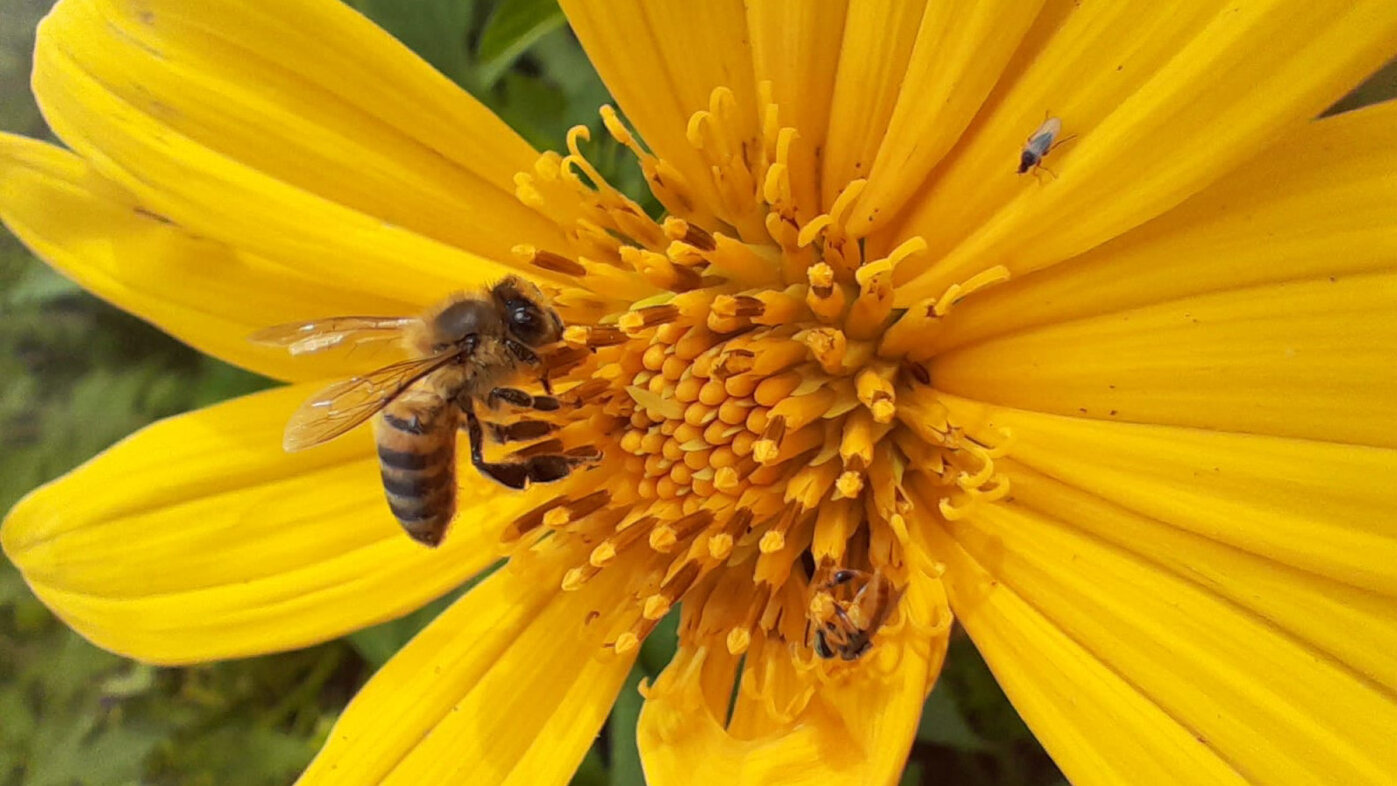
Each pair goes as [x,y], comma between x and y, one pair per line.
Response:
[77,374]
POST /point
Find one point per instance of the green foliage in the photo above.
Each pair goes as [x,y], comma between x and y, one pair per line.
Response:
[513,27]
[624,752]
[379,643]
[969,728]
[439,32]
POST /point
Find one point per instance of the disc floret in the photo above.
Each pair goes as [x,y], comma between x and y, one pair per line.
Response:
[768,423]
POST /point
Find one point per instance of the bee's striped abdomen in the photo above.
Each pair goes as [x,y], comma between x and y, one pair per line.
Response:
[417,459]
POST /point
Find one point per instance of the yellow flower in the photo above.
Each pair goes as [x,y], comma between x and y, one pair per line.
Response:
[1134,422]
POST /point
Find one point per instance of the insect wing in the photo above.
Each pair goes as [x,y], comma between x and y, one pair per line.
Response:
[344,405]
[1051,127]
[302,338]
[1039,143]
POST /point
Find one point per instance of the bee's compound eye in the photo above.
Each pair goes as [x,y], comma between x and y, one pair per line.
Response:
[523,316]
[527,322]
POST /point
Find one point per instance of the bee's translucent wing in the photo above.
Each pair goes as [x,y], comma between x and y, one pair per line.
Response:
[344,405]
[301,338]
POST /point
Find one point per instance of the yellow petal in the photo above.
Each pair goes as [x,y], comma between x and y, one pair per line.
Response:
[1068,697]
[1048,76]
[329,148]
[203,292]
[506,686]
[662,59]
[1319,204]
[1162,100]
[795,47]
[856,729]
[1308,359]
[1190,685]
[1316,506]
[197,538]
[960,51]
[1351,625]
[878,40]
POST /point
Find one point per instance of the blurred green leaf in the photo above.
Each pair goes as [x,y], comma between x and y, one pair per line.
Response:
[217,381]
[437,30]
[513,27]
[534,108]
[1381,86]
[76,666]
[381,642]
[234,751]
[39,285]
[18,113]
[977,694]
[140,678]
[564,63]
[59,727]
[84,752]
[660,645]
[943,724]
[592,771]
[625,752]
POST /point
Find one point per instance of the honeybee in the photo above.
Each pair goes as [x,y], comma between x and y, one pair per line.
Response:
[464,351]
[846,628]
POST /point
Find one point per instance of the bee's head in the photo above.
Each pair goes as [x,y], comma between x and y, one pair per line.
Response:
[526,312]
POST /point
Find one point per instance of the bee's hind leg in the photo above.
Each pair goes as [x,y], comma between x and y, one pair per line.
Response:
[520,472]
[521,431]
[518,398]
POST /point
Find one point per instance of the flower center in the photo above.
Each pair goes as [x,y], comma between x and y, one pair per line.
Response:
[765,414]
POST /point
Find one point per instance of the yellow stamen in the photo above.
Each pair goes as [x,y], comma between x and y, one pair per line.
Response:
[875,301]
[656,606]
[849,485]
[958,292]
[720,546]
[650,316]
[810,484]
[835,523]
[689,233]
[626,643]
[738,640]
[749,395]
[772,542]
[877,393]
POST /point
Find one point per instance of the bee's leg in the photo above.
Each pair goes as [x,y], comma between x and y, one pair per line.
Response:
[522,400]
[531,357]
[522,352]
[856,647]
[844,617]
[521,472]
[583,454]
[521,431]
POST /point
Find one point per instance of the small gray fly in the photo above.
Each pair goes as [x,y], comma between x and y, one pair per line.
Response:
[1040,144]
